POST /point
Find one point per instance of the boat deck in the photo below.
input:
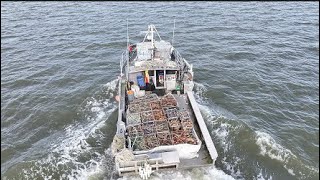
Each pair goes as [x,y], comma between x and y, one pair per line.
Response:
[204,158]
[157,159]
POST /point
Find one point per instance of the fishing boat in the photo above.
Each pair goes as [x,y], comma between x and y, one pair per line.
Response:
[159,124]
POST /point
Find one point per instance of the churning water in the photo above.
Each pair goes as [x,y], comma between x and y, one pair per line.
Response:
[256,69]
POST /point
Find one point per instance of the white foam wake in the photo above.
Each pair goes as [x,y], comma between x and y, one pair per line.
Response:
[269,147]
[221,127]
[69,150]
[219,120]
[224,127]
[199,92]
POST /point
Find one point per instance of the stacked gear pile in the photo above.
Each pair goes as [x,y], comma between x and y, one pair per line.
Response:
[154,121]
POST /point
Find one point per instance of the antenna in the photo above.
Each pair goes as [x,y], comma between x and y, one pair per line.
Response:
[127,35]
[174,25]
[152,40]
[127,72]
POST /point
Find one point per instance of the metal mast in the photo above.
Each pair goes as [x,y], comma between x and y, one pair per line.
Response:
[127,34]
[174,25]
[127,73]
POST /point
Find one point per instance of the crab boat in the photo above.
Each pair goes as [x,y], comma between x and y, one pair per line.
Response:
[159,125]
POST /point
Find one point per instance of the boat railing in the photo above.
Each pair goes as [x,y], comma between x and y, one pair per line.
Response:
[121,92]
[124,62]
[119,103]
[181,61]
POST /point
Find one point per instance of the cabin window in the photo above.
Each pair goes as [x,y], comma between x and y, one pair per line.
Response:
[151,72]
[160,78]
[171,72]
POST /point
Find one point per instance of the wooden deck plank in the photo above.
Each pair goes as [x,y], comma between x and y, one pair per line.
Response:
[206,135]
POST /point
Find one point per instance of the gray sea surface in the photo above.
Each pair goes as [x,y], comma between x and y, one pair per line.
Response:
[256,68]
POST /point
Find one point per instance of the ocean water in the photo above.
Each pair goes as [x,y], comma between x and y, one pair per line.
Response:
[256,68]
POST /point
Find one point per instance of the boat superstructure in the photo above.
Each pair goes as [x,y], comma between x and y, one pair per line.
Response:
[159,123]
